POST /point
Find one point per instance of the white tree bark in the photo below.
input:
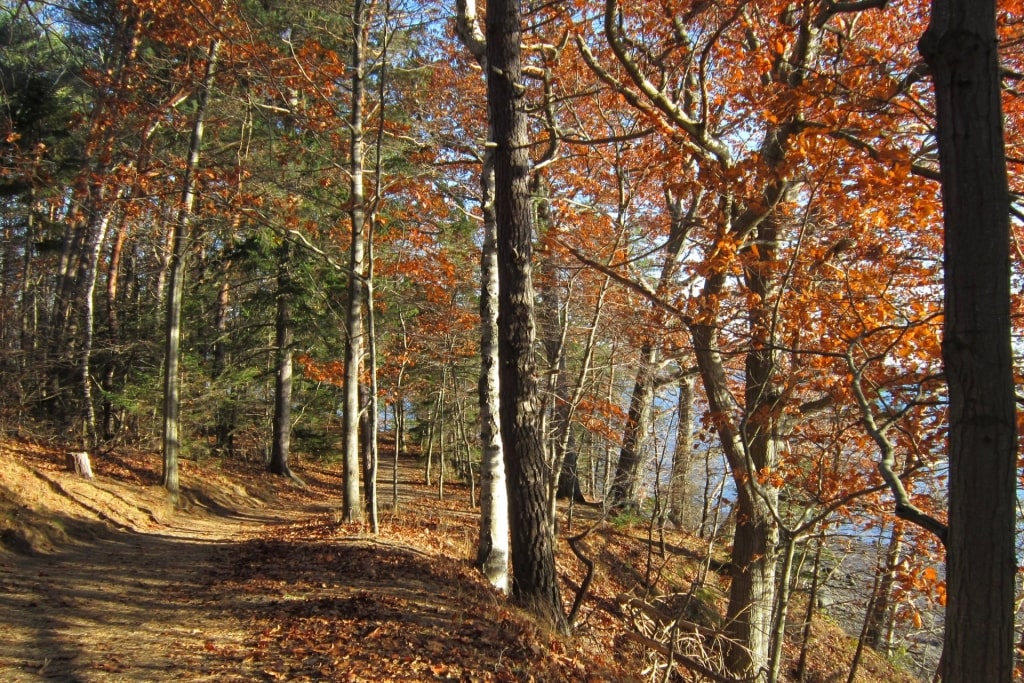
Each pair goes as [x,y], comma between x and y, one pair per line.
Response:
[493,548]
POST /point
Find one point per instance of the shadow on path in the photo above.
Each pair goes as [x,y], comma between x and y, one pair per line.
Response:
[122,606]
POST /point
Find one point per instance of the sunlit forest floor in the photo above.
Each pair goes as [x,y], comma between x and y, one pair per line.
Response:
[252,578]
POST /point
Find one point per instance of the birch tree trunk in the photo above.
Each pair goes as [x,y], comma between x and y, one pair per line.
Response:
[492,550]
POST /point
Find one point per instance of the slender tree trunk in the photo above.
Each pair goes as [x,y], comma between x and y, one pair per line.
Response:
[353,510]
[399,446]
[371,449]
[812,601]
[29,329]
[224,418]
[628,472]
[172,342]
[682,457]
[782,609]
[534,579]
[282,425]
[115,366]
[399,423]
[90,264]
[626,483]
[492,549]
[440,433]
[878,634]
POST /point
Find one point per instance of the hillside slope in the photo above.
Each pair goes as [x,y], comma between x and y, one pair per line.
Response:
[250,578]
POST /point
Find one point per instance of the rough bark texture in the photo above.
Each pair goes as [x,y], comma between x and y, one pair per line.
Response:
[752,591]
[534,579]
[682,458]
[961,49]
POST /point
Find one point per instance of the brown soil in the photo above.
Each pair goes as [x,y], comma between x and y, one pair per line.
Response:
[252,578]
[248,578]
[105,580]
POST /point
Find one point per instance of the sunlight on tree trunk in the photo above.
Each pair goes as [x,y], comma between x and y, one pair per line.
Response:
[280,449]
[354,341]
[492,548]
[172,344]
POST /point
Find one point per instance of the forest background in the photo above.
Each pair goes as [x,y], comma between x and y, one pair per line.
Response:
[258,227]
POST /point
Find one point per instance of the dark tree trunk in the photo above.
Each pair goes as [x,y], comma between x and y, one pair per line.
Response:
[626,483]
[534,579]
[281,446]
[682,458]
[569,477]
[961,49]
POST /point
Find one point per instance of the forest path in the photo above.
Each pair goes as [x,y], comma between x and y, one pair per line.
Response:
[128,600]
[247,579]
[134,606]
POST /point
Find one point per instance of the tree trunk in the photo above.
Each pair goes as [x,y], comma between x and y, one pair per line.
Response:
[628,470]
[812,603]
[778,637]
[282,426]
[172,342]
[534,579]
[682,457]
[626,483]
[492,551]
[371,452]
[878,634]
[961,49]
[752,592]
[353,509]
[90,263]
[224,418]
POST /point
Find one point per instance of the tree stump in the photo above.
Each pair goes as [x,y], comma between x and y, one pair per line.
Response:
[78,462]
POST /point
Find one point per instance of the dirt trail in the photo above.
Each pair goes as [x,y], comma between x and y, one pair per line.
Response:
[249,579]
[106,611]
[252,579]
[104,580]
[127,606]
